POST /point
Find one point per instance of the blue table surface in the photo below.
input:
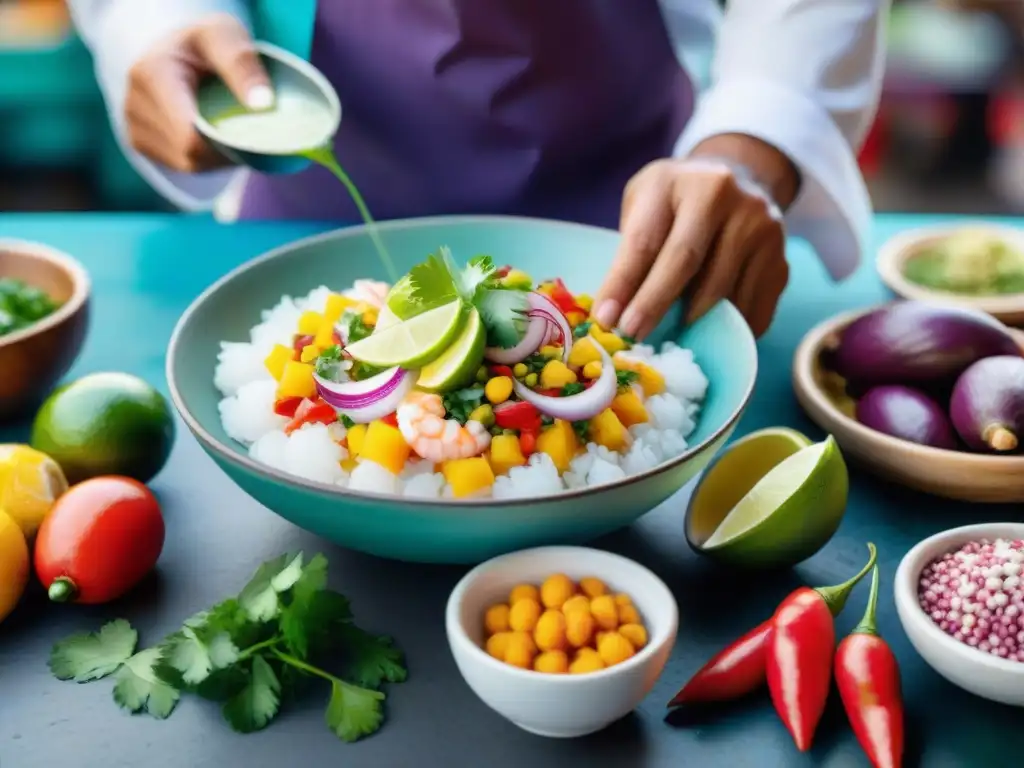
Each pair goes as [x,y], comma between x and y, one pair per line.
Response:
[146,270]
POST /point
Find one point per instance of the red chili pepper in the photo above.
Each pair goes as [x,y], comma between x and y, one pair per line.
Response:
[287,406]
[501,370]
[311,412]
[522,416]
[391,420]
[299,342]
[528,443]
[740,667]
[868,678]
[798,660]
[563,298]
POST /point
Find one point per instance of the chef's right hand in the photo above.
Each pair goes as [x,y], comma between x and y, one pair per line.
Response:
[160,104]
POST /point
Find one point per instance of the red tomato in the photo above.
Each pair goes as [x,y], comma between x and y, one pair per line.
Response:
[287,406]
[311,412]
[99,540]
[528,443]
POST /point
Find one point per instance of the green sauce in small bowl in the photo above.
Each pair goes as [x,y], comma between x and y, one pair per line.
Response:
[22,305]
[968,263]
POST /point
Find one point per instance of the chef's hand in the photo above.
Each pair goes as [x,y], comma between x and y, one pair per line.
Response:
[160,104]
[692,226]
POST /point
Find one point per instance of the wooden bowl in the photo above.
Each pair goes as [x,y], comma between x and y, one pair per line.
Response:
[894,254]
[951,474]
[33,359]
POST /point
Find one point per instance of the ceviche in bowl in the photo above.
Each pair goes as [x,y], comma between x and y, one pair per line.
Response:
[460,410]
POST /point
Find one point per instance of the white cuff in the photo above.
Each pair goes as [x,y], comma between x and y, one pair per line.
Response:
[833,210]
[119,33]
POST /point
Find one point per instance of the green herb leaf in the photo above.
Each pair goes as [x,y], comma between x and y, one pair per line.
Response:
[138,688]
[252,708]
[582,430]
[504,316]
[353,712]
[91,655]
[625,379]
[475,277]
[259,598]
[582,329]
[371,659]
[433,281]
[572,388]
[195,657]
[299,617]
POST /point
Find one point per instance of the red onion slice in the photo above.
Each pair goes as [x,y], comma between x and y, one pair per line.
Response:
[547,323]
[369,399]
[586,404]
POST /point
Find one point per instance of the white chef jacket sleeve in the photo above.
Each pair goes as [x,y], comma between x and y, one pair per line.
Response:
[118,33]
[804,76]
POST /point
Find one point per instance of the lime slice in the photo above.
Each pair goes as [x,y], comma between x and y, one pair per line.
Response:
[385,319]
[402,305]
[411,343]
[457,366]
[771,500]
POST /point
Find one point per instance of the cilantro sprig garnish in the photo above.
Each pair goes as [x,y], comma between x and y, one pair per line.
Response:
[438,280]
[250,653]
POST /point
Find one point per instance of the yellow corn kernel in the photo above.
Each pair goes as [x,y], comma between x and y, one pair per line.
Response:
[497,645]
[585,301]
[484,414]
[552,663]
[587,660]
[556,375]
[556,589]
[519,370]
[309,353]
[592,587]
[524,615]
[579,628]
[496,618]
[612,342]
[576,603]
[628,614]
[296,380]
[310,322]
[604,610]
[524,592]
[520,650]
[498,389]
[279,356]
[614,649]
[592,370]
[635,633]
[530,380]
[549,635]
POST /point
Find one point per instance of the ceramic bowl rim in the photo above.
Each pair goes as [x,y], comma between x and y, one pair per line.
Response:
[803,367]
[457,634]
[905,592]
[80,286]
[895,252]
[249,464]
[305,69]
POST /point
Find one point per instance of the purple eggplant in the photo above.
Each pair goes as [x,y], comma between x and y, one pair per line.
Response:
[987,406]
[918,343]
[908,414]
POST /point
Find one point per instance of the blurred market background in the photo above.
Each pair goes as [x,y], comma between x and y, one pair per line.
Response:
[949,136]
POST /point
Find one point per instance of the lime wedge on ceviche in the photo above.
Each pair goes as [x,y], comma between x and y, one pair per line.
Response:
[457,365]
[414,342]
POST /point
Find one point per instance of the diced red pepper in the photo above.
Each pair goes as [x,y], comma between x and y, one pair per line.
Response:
[528,443]
[521,416]
[563,298]
[299,342]
[311,412]
[549,392]
[501,370]
[287,406]
[501,272]
[391,420]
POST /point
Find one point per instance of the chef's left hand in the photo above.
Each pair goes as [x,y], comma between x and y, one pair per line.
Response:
[691,226]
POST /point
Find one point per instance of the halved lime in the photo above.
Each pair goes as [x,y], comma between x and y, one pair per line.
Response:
[458,364]
[404,306]
[772,500]
[385,319]
[411,343]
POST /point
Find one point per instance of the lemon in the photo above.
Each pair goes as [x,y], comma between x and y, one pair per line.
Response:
[14,564]
[30,482]
[772,500]
[414,342]
[458,364]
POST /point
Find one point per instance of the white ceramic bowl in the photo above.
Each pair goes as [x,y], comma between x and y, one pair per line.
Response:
[975,671]
[559,706]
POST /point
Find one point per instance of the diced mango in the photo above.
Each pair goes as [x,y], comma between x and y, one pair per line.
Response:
[575,318]
[468,476]
[651,381]
[612,342]
[348,464]
[592,370]
[559,442]
[279,356]
[384,445]
[356,436]
[309,353]
[583,352]
[336,306]
[370,317]
[607,430]
[324,337]
[310,322]
[584,301]
[629,408]
[505,454]
[556,375]
[296,380]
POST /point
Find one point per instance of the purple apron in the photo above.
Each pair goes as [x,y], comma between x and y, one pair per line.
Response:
[528,107]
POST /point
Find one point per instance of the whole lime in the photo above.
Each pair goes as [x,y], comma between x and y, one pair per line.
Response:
[105,424]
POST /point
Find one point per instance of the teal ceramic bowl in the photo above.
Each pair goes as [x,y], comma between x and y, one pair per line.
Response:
[446,530]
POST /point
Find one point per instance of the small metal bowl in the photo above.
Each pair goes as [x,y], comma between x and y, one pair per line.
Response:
[33,359]
[288,74]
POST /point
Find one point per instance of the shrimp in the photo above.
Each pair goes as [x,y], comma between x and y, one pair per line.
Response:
[435,438]
[370,292]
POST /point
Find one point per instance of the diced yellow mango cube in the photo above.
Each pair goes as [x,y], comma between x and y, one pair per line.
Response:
[556,375]
[607,430]
[468,477]
[336,306]
[296,380]
[349,463]
[279,356]
[652,382]
[559,442]
[575,318]
[385,445]
[585,301]
[309,353]
[612,342]
[505,454]
[370,317]
[310,322]
[629,408]
[324,337]
[356,435]
[583,352]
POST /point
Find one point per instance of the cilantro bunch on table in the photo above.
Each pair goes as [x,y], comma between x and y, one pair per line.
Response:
[249,653]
